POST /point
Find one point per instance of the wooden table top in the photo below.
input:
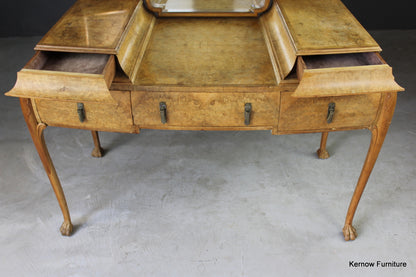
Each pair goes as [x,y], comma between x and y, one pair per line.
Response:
[206,51]
[325,27]
[90,26]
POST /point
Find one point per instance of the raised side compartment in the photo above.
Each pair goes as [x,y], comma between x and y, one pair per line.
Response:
[344,74]
[66,76]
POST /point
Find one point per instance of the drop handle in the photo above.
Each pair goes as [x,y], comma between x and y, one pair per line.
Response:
[81,112]
[162,109]
[331,112]
[247,113]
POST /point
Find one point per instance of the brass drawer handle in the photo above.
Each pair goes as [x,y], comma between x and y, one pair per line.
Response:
[331,112]
[81,112]
[163,108]
[247,113]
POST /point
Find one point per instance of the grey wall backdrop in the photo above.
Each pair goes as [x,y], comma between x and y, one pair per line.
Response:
[35,17]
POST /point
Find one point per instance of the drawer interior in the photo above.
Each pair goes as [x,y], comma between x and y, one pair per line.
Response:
[67,76]
[341,60]
[343,74]
[69,62]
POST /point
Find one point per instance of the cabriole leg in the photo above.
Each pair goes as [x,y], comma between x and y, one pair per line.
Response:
[36,132]
[97,152]
[322,152]
[378,133]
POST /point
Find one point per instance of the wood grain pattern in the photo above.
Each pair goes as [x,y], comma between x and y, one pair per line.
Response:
[311,113]
[114,117]
[89,26]
[378,131]
[324,27]
[206,70]
[134,41]
[36,131]
[281,49]
[338,78]
[61,85]
[205,109]
[206,51]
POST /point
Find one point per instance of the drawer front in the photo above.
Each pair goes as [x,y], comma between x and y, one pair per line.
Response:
[114,116]
[344,74]
[66,77]
[298,114]
[185,109]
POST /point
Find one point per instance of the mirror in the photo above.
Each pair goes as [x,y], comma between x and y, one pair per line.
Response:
[207,7]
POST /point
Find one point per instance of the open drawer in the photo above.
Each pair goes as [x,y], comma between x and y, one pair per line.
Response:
[343,74]
[66,76]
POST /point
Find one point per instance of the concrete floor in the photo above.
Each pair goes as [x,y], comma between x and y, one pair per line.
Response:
[168,203]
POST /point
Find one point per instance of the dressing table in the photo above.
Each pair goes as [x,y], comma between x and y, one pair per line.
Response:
[288,66]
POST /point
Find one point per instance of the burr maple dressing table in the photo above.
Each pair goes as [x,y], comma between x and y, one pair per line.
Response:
[289,66]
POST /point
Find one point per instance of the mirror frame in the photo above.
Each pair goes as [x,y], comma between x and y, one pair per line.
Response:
[159,12]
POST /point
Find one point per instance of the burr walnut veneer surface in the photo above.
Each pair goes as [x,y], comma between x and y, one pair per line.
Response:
[296,67]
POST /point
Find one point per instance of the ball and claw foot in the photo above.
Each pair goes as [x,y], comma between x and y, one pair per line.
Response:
[66,228]
[322,154]
[349,232]
[97,152]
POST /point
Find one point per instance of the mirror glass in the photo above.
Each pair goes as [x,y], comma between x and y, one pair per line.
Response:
[209,6]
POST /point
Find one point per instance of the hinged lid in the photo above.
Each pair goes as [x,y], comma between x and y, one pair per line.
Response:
[324,27]
[291,28]
[121,28]
[90,26]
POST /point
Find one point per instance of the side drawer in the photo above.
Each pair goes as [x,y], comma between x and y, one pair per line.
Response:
[186,109]
[308,114]
[67,77]
[344,74]
[115,116]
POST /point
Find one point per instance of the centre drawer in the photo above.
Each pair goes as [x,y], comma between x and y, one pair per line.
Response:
[327,113]
[200,109]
